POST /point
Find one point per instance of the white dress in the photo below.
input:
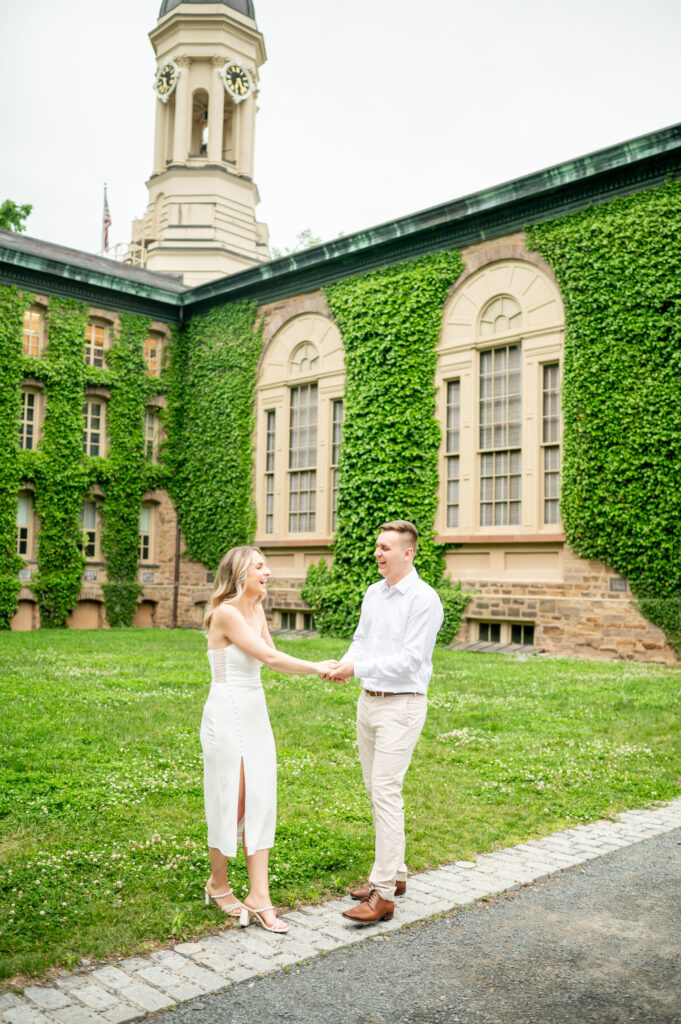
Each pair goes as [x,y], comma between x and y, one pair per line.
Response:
[235,726]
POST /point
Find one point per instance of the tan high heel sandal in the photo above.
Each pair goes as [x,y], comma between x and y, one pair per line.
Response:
[279,927]
[233,909]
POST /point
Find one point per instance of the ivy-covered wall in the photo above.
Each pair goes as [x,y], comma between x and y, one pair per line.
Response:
[128,471]
[619,270]
[60,472]
[12,306]
[390,322]
[61,475]
[210,417]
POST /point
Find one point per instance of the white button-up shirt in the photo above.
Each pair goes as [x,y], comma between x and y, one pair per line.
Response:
[392,648]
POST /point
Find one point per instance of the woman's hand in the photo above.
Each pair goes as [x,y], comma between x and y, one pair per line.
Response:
[326,668]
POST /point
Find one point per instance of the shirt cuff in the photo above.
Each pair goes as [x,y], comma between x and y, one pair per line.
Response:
[362,669]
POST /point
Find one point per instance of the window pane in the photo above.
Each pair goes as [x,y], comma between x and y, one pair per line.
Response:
[302,457]
[338,416]
[452,441]
[550,436]
[23,510]
[32,332]
[88,516]
[95,343]
[500,489]
[27,425]
[500,406]
[93,415]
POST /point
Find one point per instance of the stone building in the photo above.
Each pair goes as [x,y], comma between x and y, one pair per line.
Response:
[502,333]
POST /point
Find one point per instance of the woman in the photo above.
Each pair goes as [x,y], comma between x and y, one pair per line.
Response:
[239,758]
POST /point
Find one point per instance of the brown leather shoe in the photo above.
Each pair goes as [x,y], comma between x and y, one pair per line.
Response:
[373,908]
[364,890]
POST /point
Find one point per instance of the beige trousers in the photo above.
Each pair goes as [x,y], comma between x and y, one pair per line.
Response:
[387,731]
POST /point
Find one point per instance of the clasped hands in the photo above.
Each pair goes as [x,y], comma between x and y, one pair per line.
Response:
[338,671]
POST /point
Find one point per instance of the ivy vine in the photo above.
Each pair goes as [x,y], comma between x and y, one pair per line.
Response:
[390,321]
[127,475]
[12,306]
[619,270]
[210,416]
[60,471]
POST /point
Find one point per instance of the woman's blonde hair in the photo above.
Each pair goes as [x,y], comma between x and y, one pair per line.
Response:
[230,579]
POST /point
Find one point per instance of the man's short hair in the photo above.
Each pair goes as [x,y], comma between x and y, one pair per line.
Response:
[406,528]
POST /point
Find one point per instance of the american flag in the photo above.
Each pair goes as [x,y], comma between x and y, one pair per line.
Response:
[106,223]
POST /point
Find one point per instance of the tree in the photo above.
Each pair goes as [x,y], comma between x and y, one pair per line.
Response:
[12,217]
[304,240]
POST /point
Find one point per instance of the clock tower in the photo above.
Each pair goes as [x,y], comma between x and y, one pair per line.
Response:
[200,221]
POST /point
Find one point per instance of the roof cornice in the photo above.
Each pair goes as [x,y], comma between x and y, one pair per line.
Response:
[41,267]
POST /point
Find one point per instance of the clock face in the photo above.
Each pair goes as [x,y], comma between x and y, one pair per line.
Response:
[237,81]
[166,80]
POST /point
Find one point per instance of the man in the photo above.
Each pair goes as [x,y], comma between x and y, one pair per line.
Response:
[391,654]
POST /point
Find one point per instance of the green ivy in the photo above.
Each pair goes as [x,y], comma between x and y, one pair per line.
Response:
[130,389]
[209,453]
[12,306]
[62,475]
[60,471]
[454,600]
[619,270]
[390,323]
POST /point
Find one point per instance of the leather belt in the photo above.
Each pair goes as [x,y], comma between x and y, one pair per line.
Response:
[391,693]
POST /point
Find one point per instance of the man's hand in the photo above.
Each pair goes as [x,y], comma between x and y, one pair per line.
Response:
[341,673]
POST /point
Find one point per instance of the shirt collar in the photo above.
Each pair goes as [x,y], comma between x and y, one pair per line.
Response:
[404,584]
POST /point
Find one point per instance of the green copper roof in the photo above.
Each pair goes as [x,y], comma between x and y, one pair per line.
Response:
[618,170]
[55,270]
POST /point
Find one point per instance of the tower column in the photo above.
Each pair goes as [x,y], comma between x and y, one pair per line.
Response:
[246,135]
[182,112]
[216,111]
[160,137]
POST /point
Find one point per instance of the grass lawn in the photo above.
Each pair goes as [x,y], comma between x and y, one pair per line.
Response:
[102,837]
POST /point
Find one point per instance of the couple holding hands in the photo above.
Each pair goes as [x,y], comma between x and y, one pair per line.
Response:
[391,654]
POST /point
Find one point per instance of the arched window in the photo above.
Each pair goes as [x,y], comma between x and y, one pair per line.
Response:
[499,416]
[199,137]
[305,359]
[498,374]
[299,425]
[500,315]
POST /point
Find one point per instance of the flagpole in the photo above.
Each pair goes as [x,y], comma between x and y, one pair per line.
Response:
[106,223]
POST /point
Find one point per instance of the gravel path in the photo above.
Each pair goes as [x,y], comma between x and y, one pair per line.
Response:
[600,943]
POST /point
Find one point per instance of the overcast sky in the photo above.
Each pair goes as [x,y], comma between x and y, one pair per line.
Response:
[369,109]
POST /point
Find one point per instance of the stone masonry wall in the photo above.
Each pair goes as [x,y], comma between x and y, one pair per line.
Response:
[591,614]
